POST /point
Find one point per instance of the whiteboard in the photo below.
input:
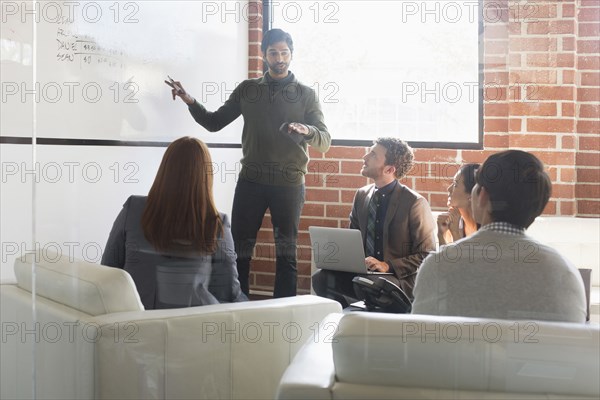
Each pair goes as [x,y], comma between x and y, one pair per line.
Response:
[95,70]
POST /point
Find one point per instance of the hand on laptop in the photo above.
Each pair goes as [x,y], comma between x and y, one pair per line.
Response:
[374,264]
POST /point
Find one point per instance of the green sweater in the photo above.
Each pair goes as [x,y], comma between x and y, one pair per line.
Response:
[269,156]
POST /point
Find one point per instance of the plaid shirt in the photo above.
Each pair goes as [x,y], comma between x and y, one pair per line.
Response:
[503,227]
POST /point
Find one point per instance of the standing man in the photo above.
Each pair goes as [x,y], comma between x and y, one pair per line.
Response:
[281,117]
[499,271]
[396,223]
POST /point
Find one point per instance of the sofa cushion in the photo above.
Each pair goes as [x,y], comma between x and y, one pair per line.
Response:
[454,353]
[90,288]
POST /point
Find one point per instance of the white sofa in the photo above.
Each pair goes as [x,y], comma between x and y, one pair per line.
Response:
[91,338]
[381,356]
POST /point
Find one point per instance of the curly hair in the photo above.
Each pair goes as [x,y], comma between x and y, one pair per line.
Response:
[398,153]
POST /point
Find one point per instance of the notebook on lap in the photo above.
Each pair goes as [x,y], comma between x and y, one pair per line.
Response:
[339,249]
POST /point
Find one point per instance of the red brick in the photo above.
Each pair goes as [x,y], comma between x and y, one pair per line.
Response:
[264,250]
[496,32]
[324,195]
[568,10]
[348,196]
[306,222]
[495,125]
[588,191]
[532,141]
[568,44]
[438,200]
[314,153]
[568,142]
[311,209]
[515,29]
[263,266]
[477,156]
[440,155]
[552,172]
[568,77]
[304,285]
[588,94]
[589,29]
[351,153]
[495,110]
[544,93]
[494,63]
[338,211]
[588,62]
[515,125]
[254,35]
[588,46]
[567,174]
[533,109]
[590,142]
[265,236]
[255,64]
[563,60]
[530,12]
[590,79]
[588,3]
[351,167]
[563,190]
[304,267]
[532,44]
[496,78]
[496,47]
[567,208]
[265,281]
[589,111]
[326,167]
[551,27]
[588,207]
[588,175]
[515,60]
[589,14]
[493,93]
[568,109]
[303,239]
[313,180]
[430,185]
[495,141]
[555,157]
[550,125]
[346,181]
[588,159]
[550,208]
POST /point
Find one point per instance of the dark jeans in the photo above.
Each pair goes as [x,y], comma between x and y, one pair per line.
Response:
[250,203]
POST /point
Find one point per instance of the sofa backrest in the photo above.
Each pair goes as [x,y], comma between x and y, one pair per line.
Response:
[577,239]
[455,353]
[90,288]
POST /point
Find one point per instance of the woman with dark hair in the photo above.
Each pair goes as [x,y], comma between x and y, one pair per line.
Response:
[174,243]
[458,222]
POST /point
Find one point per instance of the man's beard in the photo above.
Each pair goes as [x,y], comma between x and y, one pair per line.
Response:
[279,68]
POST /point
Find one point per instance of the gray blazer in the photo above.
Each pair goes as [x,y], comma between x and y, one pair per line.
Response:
[408,230]
[211,278]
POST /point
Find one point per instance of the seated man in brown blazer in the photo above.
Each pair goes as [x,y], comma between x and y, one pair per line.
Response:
[395,222]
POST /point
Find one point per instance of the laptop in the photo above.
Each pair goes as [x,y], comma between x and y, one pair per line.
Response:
[339,249]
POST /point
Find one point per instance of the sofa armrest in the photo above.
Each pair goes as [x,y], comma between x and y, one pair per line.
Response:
[311,374]
[224,351]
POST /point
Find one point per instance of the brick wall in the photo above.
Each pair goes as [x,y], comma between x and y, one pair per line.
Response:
[541,94]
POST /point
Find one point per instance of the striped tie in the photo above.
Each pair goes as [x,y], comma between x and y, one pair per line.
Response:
[371,224]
